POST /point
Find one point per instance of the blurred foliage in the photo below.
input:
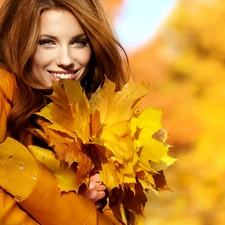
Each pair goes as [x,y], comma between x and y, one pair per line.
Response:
[185,67]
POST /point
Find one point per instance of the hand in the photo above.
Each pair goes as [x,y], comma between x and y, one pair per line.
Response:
[95,189]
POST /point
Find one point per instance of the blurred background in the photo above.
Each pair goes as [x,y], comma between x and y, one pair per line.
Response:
[179,47]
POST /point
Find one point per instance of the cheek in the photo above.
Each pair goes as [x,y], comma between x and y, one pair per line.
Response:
[40,58]
[37,64]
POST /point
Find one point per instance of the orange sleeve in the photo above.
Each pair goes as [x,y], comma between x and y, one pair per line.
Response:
[51,207]
[7,87]
[10,213]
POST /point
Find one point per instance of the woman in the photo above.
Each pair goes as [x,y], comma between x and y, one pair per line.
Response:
[42,41]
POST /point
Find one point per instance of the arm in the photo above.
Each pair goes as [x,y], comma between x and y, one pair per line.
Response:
[69,208]
[10,213]
[44,201]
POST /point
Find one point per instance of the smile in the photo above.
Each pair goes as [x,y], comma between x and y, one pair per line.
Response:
[64,75]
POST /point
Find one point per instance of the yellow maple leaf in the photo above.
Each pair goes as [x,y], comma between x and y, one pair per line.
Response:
[117,107]
[80,109]
[47,157]
[109,132]
[66,178]
[118,140]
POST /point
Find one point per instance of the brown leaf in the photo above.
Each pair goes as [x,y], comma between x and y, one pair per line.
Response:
[160,182]
[135,201]
[85,164]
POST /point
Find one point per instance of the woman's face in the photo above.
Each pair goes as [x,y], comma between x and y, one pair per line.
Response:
[63,51]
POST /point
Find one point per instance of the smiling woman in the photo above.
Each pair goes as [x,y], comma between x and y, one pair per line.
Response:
[60,55]
[43,42]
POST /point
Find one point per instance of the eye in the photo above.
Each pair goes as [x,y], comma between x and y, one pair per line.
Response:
[80,42]
[46,42]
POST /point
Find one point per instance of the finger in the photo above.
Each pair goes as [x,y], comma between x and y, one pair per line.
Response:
[95,178]
[93,194]
[94,198]
[101,187]
[96,185]
[101,194]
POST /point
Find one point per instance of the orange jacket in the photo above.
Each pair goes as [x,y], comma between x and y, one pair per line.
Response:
[45,204]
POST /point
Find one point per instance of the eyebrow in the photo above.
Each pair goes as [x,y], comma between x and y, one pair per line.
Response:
[55,38]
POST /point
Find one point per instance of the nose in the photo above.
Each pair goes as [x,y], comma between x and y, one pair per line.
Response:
[65,58]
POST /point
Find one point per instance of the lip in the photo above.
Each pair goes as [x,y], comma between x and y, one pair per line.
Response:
[59,75]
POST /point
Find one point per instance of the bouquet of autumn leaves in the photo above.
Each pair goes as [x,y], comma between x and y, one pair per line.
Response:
[107,131]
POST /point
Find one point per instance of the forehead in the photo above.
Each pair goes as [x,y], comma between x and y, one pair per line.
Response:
[59,21]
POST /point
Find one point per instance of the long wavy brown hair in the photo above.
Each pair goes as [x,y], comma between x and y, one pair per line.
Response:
[19,34]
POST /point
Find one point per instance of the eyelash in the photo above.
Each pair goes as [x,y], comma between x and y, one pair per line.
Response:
[81,42]
[46,42]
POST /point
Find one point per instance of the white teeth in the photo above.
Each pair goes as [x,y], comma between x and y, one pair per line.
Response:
[62,75]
